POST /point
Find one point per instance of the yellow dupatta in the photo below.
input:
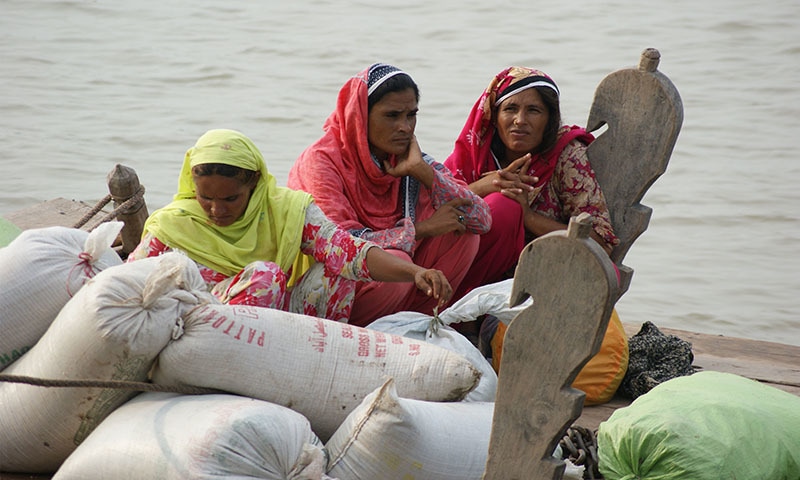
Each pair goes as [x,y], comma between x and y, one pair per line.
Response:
[269,230]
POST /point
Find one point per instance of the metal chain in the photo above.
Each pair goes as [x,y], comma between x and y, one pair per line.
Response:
[579,445]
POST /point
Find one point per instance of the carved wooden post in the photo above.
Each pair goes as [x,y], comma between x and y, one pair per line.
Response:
[644,113]
[573,284]
[123,185]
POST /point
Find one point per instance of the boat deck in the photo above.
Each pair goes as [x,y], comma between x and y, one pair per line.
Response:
[774,364]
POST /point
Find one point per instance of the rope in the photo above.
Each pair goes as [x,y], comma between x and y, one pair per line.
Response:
[102,203]
[134,199]
[116,384]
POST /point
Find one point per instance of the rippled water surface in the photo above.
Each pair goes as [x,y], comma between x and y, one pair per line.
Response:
[85,85]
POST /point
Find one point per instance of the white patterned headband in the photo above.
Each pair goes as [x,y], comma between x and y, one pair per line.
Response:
[524,84]
[379,73]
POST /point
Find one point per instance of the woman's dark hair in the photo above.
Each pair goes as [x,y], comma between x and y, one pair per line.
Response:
[550,135]
[243,175]
[397,83]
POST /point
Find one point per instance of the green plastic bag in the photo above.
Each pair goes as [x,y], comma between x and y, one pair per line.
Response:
[709,425]
[8,232]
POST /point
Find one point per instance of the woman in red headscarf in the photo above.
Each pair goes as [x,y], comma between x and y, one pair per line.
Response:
[532,171]
[368,175]
[535,175]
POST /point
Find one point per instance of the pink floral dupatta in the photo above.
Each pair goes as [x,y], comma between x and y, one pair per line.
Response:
[356,194]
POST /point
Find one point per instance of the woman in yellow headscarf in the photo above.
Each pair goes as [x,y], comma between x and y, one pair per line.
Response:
[259,244]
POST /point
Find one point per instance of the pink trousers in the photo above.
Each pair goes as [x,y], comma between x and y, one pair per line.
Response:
[451,253]
[499,248]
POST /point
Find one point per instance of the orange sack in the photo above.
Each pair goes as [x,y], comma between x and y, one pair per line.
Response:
[602,375]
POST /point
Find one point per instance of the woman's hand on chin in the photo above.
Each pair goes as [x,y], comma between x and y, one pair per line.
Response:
[411,164]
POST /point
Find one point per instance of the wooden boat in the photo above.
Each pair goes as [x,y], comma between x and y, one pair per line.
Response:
[572,279]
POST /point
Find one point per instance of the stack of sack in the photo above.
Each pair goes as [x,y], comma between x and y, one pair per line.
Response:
[397,400]
[112,329]
[299,397]
[154,321]
[170,436]
[297,380]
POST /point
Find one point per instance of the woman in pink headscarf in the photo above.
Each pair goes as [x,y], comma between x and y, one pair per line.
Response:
[530,169]
[535,175]
[368,175]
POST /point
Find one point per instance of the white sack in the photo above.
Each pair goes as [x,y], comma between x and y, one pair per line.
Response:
[492,299]
[175,437]
[112,329]
[320,368]
[389,437]
[39,272]
[417,326]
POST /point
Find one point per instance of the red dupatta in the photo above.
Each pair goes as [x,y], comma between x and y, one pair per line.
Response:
[338,169]
[472,155]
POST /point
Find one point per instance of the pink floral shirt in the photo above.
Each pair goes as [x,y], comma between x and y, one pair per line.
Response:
[573,189]
[328,294]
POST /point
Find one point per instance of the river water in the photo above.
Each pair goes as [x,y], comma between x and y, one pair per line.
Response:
[85,85]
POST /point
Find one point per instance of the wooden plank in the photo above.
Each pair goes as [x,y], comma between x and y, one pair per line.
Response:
[774,364]
[129,206]
[593,415]
[545,347]
[57,212]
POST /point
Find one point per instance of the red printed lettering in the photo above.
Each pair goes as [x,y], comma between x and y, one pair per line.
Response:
[317,338]
[238,336]
[208,315]
[243,332]
[228,330]
[414,350]
[347,331]
[319,328]
[380,345]
[219,321]
[363,344]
